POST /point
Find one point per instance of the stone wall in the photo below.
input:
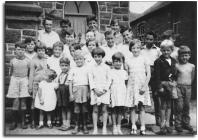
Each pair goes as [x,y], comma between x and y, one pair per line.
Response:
[113,10]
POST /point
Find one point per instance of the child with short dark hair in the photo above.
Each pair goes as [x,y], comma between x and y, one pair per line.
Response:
[165,74]
[185,77]
[30,46]
[118,91]
[63,97]
[18,88]
[99,80]
[45,99]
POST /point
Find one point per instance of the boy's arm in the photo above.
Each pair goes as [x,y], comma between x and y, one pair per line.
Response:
[71,91]
[193,73]
[31,76]
[91,80]
[157,75]
[148,74]
[11,68]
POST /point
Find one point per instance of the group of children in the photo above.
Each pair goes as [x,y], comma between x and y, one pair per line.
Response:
[79,79]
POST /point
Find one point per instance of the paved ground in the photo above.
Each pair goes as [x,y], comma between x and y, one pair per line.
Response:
[150,121]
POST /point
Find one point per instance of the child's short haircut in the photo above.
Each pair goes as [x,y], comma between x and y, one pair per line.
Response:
[118,56]
[167,43]
[87,43]
[124,28]
[76,46]
[78,54]
[29,40]
[64,60]
[184,50]
[58,44]
[98,51]
[108,33]
[44,20]
[71,32]
[20,45]
[134,42]
[51,74]
[65,21]
[40,45]
[114,21]
[151,33]
[90,18]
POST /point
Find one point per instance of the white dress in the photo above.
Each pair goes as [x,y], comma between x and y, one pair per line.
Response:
[48,96]
[118,87]
[137,78]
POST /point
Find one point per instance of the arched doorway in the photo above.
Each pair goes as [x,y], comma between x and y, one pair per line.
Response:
[77,12]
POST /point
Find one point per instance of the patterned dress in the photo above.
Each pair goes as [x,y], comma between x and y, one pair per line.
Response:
[137,78]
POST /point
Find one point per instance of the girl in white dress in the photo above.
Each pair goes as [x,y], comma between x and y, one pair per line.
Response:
[118,91]
[99,80]
[46,98]
[137,89]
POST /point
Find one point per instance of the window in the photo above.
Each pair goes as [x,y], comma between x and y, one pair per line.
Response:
[176,27]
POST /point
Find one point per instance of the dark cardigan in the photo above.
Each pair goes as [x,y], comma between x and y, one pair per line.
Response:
[163,71]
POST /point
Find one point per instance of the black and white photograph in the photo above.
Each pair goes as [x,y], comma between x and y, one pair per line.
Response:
[99,68]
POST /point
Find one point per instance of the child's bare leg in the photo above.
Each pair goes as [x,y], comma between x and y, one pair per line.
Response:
[133,119]
[68,117]
[95,118]
[114,118]
[105,116]
[49,120]
[142,120]
[41,116]
[64,116]
[119,121]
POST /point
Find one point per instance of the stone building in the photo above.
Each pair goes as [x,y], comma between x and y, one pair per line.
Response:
[23,19]
[181,17]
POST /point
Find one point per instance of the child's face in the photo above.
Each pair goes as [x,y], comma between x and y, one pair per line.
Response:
[184,58]
[41,53]
[30,46]
[127,36]
[91,45]
[64,67]
[98,59]
[117,64]
[72,51]
[70,38]
[90,36]
[48,25]
[136,50]
[166,51]
[149,40]
[65,28]
[115,27]
[57,51]
[79,61]
[20,52]
[93,25]
[110,40]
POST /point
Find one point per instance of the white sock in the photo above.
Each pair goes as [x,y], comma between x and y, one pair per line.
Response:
[40,123]
[64,122]
[48,122]
[68,123]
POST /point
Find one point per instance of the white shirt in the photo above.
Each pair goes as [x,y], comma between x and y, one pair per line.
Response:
[124,49]
[109,52]
[151,54]
[54,63]
[30,56]
[79,76]
[48,38]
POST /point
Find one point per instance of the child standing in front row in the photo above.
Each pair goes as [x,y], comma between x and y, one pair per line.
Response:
[99,79]
[45,99]
[137,89]
[164,75]
[79,90]
[185,77]
[63,98]
[18,88]
[118,91]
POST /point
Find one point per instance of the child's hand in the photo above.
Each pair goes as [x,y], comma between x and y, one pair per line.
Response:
[30,91]
[71,98]
[97,92]
[161,90]
[41,102]
[142,90]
